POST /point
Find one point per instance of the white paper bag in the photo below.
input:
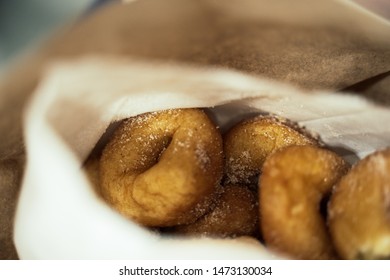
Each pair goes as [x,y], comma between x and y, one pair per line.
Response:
[59,215]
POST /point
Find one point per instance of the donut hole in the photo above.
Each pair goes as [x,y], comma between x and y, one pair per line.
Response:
[167,142]
[324,205]
[154,150]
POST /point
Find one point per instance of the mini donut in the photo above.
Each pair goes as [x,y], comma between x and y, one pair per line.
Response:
[359,209]
[160,168]
[247,145]
[293,182]
[235,214]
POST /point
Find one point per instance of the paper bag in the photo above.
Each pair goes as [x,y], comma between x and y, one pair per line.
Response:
[60,215]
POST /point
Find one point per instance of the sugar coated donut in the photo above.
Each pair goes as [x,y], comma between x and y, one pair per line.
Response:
[247,145]
[359,209]
[160,168]
[293,182]
[235,214]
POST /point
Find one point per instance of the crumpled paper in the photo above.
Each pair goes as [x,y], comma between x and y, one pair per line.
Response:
[60,216]
[327,44]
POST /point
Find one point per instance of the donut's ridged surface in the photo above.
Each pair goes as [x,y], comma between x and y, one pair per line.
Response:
[161,168]
[359,210]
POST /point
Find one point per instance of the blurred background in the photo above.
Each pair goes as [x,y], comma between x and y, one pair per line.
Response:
[24,23]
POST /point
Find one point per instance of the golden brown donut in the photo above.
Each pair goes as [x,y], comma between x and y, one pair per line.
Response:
[160,168]
[247,145]
[293,182]
[359,210]
[235,214]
